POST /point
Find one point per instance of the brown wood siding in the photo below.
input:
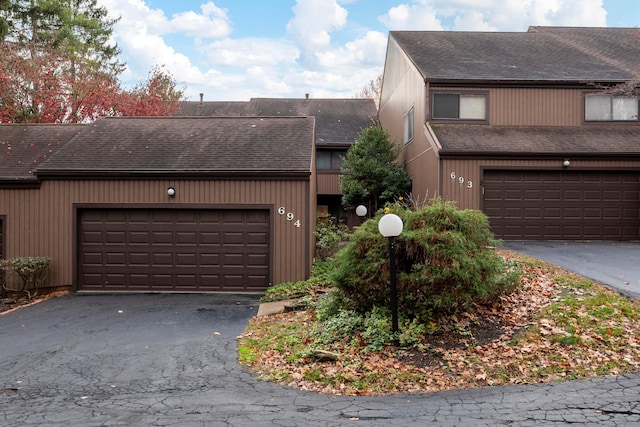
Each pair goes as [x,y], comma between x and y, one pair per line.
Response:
[403,88]
[329,183]
[529,106]
[536,107]
[43,219]
[470,170]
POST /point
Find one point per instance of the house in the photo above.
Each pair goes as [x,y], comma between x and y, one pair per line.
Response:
[521,126]
[338,124]
[162,204]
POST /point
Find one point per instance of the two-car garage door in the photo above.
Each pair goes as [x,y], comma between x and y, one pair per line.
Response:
[173,250]
[562,204]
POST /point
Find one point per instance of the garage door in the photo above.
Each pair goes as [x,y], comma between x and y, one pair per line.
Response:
[571,205]
[173,250]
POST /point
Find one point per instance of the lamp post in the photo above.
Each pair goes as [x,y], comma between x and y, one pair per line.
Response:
[361,211]
[390,226]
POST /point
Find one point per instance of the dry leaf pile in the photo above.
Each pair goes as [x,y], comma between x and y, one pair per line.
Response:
[555,326]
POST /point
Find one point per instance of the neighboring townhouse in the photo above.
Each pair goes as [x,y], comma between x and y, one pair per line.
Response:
[520,126]
[177,204]
[338,123]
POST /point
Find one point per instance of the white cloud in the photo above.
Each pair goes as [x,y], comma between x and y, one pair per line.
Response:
[313,21]
[214,22]
[250,51]
[365,51]
[493,15]
[418,16]
[197,46]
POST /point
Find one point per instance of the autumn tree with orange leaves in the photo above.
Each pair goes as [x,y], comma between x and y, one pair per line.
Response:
[58,65]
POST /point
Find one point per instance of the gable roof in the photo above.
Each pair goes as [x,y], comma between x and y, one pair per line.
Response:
[23,147]
[338,121]
[601,140]
[160,146]
[543,54]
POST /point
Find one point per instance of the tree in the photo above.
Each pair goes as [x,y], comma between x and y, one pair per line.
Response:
[57,65]
[373,90]
[371,175]
[157,96]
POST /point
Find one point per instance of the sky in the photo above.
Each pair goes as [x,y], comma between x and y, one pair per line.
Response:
[234,50]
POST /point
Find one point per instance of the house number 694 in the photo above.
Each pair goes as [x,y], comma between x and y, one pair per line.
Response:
[289,215]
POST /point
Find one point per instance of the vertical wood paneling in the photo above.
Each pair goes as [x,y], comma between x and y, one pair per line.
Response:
[328,183]
[39,222]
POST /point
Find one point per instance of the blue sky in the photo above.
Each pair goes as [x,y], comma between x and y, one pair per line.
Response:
[233,50]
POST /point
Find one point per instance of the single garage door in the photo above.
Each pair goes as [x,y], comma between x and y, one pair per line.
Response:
[571,205]
[174,250]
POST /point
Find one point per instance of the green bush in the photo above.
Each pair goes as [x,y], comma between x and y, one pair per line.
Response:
[444,261]
[32,271]
[329,233]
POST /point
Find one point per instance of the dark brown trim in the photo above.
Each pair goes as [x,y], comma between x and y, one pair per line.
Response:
[20,184]
[539,84]
[452,155]
[329,171]
[77,207]
[223,175]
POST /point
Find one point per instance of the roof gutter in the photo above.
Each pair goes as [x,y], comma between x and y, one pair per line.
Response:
[156,174]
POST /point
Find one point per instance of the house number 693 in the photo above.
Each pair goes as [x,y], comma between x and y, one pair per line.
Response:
[461,180]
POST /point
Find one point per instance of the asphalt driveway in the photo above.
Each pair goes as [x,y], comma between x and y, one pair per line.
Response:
[170,360]
[616,264]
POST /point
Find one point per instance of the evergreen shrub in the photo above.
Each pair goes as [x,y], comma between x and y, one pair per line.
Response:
[445,263]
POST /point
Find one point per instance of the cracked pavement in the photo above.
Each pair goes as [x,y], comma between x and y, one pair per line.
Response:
[171,360]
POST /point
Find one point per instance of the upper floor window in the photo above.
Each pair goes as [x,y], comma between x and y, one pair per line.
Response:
[408,126]
[610,108]
[329,159]
[459,106]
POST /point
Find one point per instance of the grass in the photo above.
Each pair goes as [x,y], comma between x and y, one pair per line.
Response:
[556,326]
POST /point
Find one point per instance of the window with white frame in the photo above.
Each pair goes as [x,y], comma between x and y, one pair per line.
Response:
[408,126]
[610,108]
[459,106]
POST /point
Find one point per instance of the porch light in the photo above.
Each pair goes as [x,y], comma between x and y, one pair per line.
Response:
[566,163]
[171,191]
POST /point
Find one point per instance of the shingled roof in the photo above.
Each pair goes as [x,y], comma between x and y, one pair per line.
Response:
[607,140]
[338,121]
[154,146]
[24,147]
[543,54]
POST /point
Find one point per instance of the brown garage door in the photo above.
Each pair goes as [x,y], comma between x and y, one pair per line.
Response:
[571,205]
[174,250]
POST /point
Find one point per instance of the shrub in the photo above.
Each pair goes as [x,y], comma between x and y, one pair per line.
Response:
[329,233]
[444,261]
[32,271]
